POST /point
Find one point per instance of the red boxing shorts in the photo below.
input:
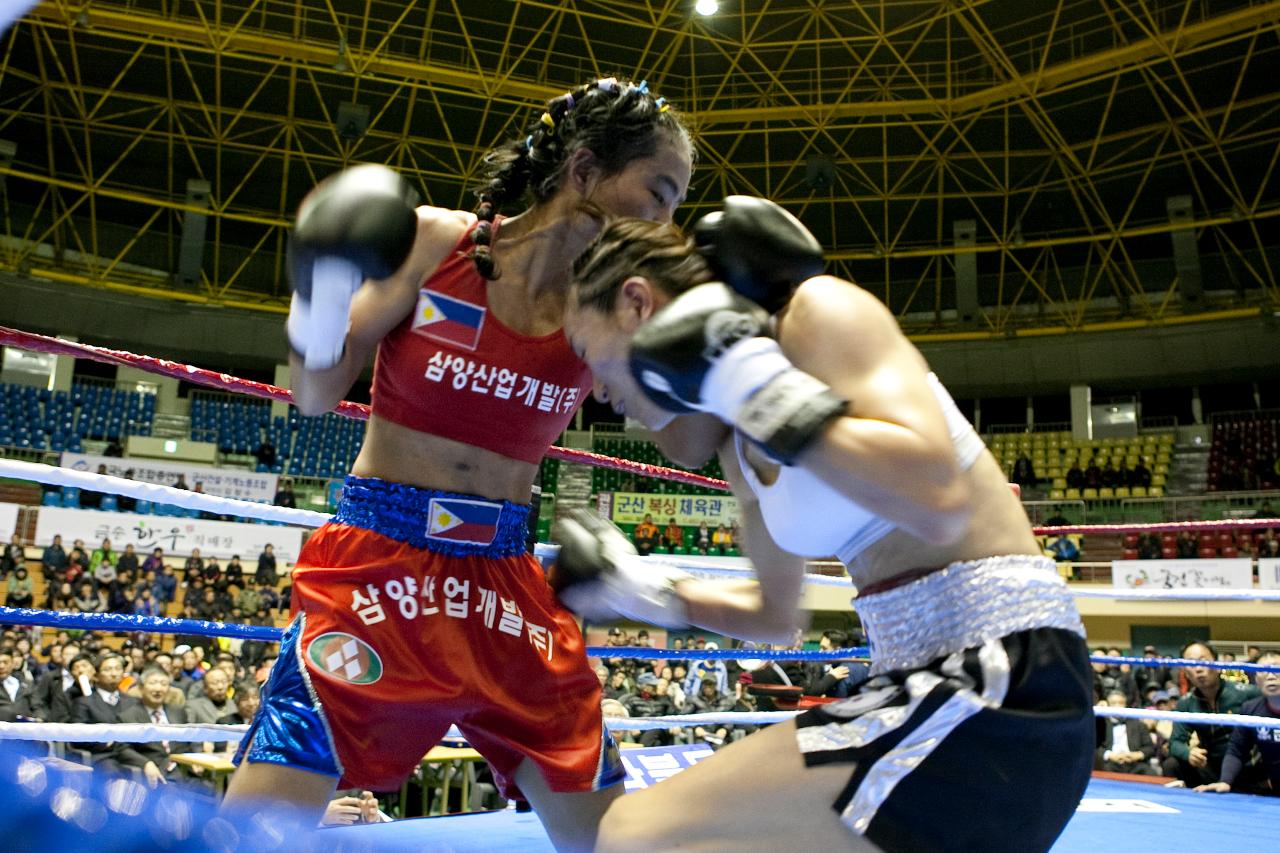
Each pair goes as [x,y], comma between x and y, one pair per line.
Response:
[415,610]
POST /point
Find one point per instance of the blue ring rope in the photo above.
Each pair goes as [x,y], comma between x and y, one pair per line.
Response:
[127,622]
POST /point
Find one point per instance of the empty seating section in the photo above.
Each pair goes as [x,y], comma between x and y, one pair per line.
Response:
[1053,454]
[1244,454]
[39,419]
[604,480]
[550,471]
[234,424]
[324,446]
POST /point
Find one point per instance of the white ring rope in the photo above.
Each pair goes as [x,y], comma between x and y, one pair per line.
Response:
[56,476]
[151,733]
[121,732]
[1189,718]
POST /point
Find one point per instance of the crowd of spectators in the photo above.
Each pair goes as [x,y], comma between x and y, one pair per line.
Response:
[1187,545]
[1107,475]
[1199,756]
[82,677]
[648,537]
[693,685]
[107,580]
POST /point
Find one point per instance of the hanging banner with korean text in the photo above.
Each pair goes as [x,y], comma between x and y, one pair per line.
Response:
[224,482]
[1222,573]
[687,510]
[177,536]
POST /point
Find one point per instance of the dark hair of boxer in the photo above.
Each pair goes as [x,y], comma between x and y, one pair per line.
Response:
[617,121]
[626,247]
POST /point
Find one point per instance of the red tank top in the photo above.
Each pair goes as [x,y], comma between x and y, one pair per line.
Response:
[453,369]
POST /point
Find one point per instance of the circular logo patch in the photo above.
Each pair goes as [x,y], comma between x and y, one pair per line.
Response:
[345,657]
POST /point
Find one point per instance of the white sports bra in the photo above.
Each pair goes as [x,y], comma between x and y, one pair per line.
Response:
[811,519]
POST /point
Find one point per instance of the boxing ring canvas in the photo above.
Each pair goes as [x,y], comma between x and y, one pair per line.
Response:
[1114,817]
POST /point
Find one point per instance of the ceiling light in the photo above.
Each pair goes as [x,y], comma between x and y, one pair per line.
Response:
[706,7]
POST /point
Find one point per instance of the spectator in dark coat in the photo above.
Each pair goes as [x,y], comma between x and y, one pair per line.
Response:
[267,566]
[153,758]
[16,696]
[1126,745]
[54,559]
[104,705]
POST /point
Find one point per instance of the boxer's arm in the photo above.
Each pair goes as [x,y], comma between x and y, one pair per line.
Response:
[766,609]
[377,308]
[691,440]
[892,452]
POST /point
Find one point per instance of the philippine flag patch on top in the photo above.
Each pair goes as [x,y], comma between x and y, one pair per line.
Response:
[456,520]
[444,318]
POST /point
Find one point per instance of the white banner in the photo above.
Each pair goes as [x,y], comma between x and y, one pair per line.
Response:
[1269,572]
[177,536]
[8,520]
[225,482]
[1232,573]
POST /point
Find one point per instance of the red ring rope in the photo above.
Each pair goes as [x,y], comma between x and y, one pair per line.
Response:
[359,411]
[1163,526]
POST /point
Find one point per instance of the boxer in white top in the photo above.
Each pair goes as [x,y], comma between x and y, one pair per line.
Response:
[837,440]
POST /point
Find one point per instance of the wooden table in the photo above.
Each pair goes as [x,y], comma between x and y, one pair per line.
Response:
[216,764]
[444,755]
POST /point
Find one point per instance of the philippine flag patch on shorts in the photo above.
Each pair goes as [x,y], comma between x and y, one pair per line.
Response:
[444,318]
[470,522]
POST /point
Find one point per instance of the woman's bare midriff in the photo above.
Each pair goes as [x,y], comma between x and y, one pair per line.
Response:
[998,528]
[401,455]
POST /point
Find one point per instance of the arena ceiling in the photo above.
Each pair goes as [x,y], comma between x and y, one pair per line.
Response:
[1059,128]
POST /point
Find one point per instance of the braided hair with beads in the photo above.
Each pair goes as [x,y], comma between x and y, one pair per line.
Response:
[616,120]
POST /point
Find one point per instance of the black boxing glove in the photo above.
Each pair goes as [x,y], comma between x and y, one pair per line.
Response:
[599,575]
[356,225]
[758,249]
[708,350]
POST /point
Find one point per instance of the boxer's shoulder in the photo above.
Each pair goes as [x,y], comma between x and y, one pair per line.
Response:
[832,321]
[440,230]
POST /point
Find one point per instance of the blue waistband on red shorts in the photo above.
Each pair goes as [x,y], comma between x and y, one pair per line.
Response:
[441,522]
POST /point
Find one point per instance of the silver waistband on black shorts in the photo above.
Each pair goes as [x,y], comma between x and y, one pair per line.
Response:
[964,605]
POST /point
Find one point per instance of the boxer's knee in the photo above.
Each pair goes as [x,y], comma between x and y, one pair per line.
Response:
[627,829]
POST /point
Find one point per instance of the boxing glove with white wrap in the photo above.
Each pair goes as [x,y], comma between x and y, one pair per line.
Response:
[599,575]
[358,224]
[711,348]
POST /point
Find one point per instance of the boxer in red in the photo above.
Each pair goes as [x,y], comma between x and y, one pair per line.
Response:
[418,606]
